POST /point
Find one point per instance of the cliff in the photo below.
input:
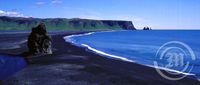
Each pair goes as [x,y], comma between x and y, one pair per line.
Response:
[19,23]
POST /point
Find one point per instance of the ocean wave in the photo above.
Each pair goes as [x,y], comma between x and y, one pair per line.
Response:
[68,38]
[171,70]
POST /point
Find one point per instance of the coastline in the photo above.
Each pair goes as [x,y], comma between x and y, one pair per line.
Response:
[101,53]
[115,72]
[98,52]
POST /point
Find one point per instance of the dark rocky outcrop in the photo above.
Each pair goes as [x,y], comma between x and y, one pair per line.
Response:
[127,25]
[147,28]
[39,42]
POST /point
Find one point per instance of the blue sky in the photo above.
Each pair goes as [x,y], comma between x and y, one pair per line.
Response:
[158,14]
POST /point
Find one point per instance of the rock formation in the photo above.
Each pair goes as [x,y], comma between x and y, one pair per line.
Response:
[39,42]
[147,28]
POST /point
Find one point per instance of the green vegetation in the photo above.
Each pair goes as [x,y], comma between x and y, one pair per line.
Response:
[19,23]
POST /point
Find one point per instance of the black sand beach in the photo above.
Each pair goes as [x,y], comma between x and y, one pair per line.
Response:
[72,65]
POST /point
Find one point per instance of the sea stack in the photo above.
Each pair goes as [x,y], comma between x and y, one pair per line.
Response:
[147,28]
[39,41]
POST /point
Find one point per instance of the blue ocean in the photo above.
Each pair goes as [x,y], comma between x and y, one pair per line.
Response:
[145,47]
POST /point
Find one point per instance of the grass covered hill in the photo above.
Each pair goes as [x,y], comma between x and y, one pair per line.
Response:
[20,23]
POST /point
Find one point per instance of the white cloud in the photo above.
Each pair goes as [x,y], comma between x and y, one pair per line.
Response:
[40,3]
[52,2]
[11,14]
[56,2]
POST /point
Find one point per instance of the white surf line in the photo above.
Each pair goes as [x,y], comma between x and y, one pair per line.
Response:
[106,54]
[171,70]
[67,38]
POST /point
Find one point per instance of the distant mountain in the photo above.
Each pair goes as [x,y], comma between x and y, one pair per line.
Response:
[19,23]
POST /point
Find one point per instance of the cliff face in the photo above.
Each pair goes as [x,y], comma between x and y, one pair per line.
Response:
[18,23]
[123,24]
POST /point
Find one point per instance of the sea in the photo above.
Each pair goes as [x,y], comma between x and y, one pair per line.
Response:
[174,51]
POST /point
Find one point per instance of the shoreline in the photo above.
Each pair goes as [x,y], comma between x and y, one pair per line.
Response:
[120,59]
[118,71]
[107,55]
[98,52]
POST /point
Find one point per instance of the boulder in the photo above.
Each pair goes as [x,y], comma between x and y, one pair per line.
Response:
[39,42]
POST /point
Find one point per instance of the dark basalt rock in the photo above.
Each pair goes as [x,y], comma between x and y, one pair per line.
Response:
[39,42]
[127,25]
[147,28]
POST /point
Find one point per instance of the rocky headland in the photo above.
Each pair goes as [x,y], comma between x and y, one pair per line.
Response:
[20,23]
